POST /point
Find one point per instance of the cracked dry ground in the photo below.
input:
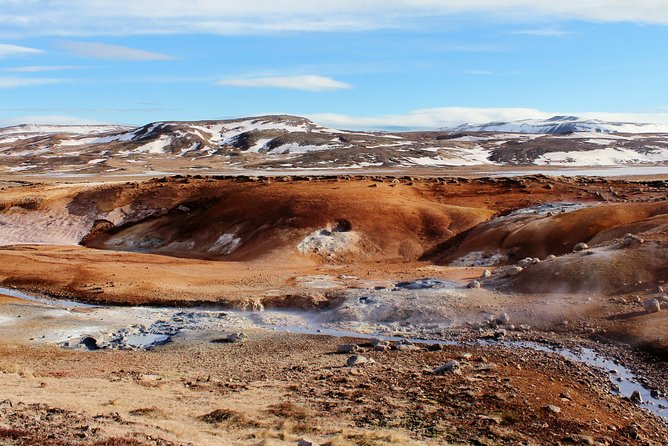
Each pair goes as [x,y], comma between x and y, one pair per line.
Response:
[277,388]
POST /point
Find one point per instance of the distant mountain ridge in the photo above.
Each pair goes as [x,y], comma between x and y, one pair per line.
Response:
[284,142]
[561,125]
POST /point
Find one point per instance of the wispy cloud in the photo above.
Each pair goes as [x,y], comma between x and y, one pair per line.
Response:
[41,68]
[306,83]
[7,50]
[99,50]
[17,82]
[128,17]
[47,119]
[434,118]
[545,32]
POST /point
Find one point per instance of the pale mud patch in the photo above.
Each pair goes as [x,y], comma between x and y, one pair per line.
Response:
[331,241]
[480,258]
[225,244]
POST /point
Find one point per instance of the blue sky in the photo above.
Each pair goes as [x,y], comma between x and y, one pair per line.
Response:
[362,64]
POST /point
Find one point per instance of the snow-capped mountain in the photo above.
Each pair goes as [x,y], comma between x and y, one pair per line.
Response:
[289,142]
[561,125]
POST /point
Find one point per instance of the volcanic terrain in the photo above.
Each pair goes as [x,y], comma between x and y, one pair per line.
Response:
[209,310]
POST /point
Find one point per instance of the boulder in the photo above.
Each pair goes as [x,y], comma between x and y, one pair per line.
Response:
[502,319]
[651,306]
[347,348]
[236,337]
[473,284]
[580,247]
[632,241]
[527,262]
[358,360]
[451,366]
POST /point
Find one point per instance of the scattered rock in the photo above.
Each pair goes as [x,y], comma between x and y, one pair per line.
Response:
[500,334]
[527,262]
[358,360]
[632,431]
[631,241]
[90,343]
[233,337]
[636,397]
[473,284]
[503,319]
[305,442]
[451,366]
[347,348]
[652,306]
[580,247]
[552,408]
[486,274]
[550,257]
[513,271]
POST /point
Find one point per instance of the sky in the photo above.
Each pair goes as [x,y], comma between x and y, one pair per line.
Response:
[348,64]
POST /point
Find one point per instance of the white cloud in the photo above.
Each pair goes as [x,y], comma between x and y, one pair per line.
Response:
[47,119]
[7,50]
[434,118]
[123,17]
[40,68]
[545,32]
[105,51]
[306,83]
[16,82]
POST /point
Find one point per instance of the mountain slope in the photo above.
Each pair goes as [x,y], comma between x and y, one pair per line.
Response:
[561,125]
[289,142]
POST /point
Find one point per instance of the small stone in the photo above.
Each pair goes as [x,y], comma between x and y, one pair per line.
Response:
[358,360]
[632,431]
[451,366]
[473,284]
[486,274]
[550,257]
[503,319]
[375,342]
[90,343]
[580,247]
[652,306]
[347,348]
[513,270]
[632,241]
[554,409]
[636,397]
[435,347]
[524,263]
[236,337]
[305,442]
[500,334]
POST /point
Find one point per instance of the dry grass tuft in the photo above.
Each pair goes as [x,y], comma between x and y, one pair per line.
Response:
[290,411]
[227,416]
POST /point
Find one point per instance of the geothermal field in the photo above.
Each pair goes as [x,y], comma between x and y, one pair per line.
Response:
[420,306]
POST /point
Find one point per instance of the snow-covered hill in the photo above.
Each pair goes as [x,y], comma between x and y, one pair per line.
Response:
[561,125]
[291,142]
